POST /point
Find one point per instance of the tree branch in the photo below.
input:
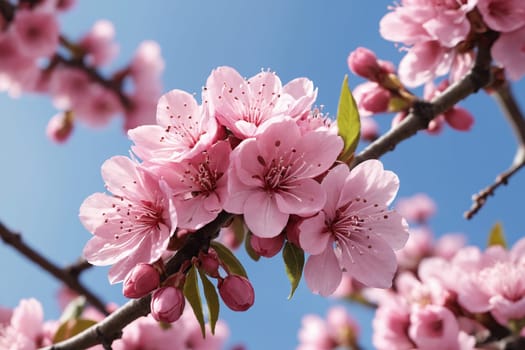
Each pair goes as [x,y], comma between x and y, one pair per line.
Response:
[423,112]
[111,327]
[512,112]
[71,280]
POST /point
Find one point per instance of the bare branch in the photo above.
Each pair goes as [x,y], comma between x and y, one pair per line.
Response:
[111,327]
[512,112]
[72,281]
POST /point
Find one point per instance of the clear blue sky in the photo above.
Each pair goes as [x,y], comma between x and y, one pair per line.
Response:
[42,185]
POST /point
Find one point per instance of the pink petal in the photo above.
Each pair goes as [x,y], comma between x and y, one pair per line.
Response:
[313,234]
[276,139]
[177,106]
[302,197]
[121,176]
[92,208]
[319,150]
[333,184]
[322,272]
[369,259]
[369,180]
[262,216]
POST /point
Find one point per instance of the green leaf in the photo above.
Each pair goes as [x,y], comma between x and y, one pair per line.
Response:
[497,236]
[249,249]
[237,225]
[192,294]
[212,300]
[293,257]
[74,309]
[227,257]
[348,122]
[71,327]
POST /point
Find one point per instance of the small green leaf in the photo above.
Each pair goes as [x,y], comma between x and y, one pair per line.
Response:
[497,236]
[227,257]
[293,257]
[192,294]
[348,122]
[249,249]
[71,328]
[237,225]
[74,309]
[212,300]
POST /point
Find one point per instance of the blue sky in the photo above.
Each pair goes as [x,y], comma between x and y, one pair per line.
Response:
[42,185]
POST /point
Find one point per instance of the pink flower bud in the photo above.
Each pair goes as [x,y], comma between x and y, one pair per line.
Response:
[459,119]
[59,128]
[140,281]
[237,292]
[363,62]
[376,100]
[210,263]
[267,247]
[369,129]
[167,304]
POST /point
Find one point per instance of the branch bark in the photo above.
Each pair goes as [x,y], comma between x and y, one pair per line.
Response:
[71,280]
[106,331]
[503,95]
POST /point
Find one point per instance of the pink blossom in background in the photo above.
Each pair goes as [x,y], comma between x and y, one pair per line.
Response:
[434,327]
[355,232]
[98,106]
[416,21]
[508,52]
[69,87]
[369,129]
[502,15]
[146,69]
[272,175]
[199,185]
[36,32]
[418,246]
[391,322]
[243,106]
[24,329]
[184,130]
[141,112]
[131,226]
[99,43]
[59,128]
[338,330]
[417,208]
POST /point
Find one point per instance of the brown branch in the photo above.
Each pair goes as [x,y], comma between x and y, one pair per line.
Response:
[423,112]
[72,281]
[111,327]
[78,267]
[503,95]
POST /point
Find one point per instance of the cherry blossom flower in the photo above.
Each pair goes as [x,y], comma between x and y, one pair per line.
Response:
[184,129]
[355,232]
[243,106]
[417,208]
[272,175]
[133,225]
[199,185]
[36,32]
[99,43]
[502,15]
[24,328]
[508,52]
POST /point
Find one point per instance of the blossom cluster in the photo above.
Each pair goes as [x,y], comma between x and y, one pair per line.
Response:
[36,58]
[440,38]
[445,295]
[257,150]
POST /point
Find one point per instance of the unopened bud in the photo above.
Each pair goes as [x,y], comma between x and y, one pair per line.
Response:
[459,119]
[60,127]
[369,129]
[376,100]
[167,304]
[363,62]
[210,263]
[267,247]
[143,279]
[236,292]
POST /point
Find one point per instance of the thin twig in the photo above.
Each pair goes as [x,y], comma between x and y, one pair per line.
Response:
[423,112]
[503,95]
[15,240]
[78,267]
[111,327]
